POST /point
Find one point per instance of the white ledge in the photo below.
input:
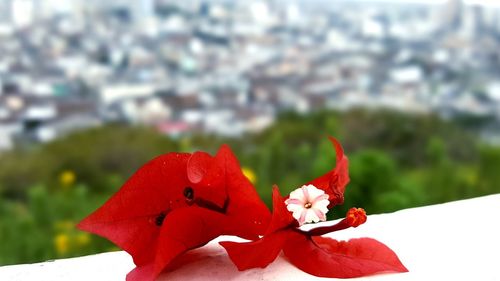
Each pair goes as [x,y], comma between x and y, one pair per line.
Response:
[453,241]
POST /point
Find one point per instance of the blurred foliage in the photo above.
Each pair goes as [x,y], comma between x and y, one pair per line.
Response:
[42,226]
[100,158]
[396,161]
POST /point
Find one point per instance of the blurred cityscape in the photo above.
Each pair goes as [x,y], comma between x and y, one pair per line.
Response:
[228,67]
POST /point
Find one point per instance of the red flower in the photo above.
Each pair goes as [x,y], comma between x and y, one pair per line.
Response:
[177,202]
[335,181]
[307,250]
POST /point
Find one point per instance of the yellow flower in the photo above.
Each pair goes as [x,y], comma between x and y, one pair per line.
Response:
[250,174]
[67,178]
[61,244]
[82,239]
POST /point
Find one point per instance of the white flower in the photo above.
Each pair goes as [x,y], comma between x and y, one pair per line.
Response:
[308,204]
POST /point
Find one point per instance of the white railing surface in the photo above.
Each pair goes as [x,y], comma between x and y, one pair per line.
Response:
[452,241]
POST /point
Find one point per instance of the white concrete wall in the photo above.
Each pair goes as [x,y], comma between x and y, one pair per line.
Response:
[453,241]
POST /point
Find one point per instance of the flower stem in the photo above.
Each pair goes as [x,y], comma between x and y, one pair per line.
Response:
[343,224]
[354,218]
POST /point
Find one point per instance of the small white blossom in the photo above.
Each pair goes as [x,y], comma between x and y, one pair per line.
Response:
[308,204]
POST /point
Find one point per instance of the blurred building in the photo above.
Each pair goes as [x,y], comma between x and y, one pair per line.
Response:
[229,67]
[453,15]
